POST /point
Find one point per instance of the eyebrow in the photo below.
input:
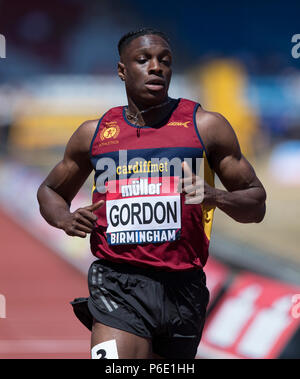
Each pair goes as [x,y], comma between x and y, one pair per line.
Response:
[141,50]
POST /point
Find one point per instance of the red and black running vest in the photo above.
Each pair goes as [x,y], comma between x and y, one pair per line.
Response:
[144,220]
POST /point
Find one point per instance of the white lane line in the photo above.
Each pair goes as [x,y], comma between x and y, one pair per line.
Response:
[44,346]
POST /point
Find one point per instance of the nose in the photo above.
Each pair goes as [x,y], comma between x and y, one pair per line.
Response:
[154,66]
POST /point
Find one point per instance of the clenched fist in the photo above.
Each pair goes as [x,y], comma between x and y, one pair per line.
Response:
[82,221]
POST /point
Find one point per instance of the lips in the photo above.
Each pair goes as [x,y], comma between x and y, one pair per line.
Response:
[155,84]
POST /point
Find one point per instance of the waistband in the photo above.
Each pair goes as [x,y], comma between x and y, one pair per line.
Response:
[151,272]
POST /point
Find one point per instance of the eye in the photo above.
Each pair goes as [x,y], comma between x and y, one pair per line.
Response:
[141,60]
[166,61]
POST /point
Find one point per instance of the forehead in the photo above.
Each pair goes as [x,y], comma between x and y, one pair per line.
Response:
[149,41]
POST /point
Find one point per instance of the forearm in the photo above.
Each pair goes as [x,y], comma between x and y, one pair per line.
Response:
[244,206]
[53,207]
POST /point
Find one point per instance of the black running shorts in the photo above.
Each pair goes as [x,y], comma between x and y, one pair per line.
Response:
[167,307]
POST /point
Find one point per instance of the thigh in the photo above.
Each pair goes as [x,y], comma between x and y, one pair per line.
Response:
[128,345]
[186,301]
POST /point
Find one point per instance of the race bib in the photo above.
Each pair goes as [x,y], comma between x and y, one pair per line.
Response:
[143,210]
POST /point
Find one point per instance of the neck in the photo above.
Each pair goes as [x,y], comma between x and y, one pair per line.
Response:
[141,115]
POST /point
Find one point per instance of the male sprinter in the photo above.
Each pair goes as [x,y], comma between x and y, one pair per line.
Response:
[148,295]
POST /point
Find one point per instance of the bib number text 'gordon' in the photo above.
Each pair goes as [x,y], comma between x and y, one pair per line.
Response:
[143,210]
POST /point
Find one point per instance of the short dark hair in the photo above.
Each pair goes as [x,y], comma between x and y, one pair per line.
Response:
[128,37]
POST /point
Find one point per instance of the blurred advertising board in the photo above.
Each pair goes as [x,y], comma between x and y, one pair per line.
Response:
[256,318]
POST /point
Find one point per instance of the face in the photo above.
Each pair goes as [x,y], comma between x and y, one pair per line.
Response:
[146,69]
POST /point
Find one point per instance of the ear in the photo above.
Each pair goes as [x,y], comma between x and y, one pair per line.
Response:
[121,71]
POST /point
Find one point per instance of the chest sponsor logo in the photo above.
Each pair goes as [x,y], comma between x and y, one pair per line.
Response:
[143,210]
[175,123]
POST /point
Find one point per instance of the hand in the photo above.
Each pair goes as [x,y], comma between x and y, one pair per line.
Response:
[196,190]
[82,221]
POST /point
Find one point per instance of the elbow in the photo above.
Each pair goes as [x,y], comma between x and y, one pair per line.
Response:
[39,193]
[260,214]
[261,209]
[39,198]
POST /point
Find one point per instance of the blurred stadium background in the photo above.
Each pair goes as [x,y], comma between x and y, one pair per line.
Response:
[60,70]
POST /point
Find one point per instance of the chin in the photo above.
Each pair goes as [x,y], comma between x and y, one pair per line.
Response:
[155,97]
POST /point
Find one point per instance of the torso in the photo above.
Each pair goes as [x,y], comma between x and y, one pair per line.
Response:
[143,224]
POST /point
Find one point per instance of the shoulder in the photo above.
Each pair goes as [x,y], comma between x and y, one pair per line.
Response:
[215,130]
[81,139]
[87,128]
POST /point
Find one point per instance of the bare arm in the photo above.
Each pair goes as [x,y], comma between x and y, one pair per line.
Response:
[62,184]
[245,197]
